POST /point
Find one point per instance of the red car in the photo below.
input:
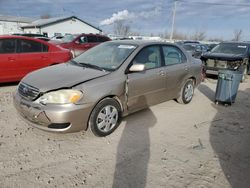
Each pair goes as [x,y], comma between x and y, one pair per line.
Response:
[20,55]
[81,42]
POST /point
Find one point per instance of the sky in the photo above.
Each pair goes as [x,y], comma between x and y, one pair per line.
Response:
[217,18]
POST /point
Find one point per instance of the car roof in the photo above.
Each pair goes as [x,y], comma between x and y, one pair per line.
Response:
[235,42]
[140,42]
[22,37]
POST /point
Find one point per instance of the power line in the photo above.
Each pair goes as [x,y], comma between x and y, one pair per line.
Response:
[216,4]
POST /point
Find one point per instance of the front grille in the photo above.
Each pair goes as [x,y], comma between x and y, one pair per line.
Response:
[28,92]
[210,63]
[221,64]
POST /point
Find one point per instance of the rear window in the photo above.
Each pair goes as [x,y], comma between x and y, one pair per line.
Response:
[45,48]
[230,48]
[102,39]
[7,46]
[92,38]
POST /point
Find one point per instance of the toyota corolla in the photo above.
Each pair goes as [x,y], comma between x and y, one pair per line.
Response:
[99,87]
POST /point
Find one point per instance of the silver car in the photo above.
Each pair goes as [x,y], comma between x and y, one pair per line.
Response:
[107,82]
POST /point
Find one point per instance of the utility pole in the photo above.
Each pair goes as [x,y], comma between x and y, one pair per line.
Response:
[173,20]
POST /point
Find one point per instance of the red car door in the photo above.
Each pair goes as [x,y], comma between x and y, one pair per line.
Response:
[9,60]
[33,55]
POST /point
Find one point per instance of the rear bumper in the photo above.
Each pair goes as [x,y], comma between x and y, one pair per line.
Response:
[54,118]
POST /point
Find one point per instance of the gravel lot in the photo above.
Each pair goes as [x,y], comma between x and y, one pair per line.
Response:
[168,145]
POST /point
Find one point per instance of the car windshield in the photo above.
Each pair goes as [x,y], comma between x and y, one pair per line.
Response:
[230,48]
[107,56]
[189,47]
[68,38]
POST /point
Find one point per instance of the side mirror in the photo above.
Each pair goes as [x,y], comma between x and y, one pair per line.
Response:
[137,68]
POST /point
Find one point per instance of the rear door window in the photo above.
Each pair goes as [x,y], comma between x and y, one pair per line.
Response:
[28,46]
[7,46]
[173,55]
[92,38]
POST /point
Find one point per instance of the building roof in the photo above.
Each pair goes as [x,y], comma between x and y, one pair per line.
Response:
[15,19]
[49,21]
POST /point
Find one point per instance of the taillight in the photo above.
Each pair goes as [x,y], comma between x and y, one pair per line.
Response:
[72,54]
[203,73]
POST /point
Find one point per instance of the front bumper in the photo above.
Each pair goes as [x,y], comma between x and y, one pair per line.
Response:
[55,118]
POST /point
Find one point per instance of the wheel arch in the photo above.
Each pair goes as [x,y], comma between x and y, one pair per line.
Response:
[101,99]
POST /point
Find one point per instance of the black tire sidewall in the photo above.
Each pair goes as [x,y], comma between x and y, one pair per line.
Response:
[95,112]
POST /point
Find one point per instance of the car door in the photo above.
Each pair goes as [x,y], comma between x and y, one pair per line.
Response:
[176,68]
[9,60]
[148,87]
[33,55]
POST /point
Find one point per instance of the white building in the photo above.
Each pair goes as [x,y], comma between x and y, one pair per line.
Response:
[12,24]
[60,26]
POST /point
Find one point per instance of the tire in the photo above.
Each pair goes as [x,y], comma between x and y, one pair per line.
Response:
[105,117]
[187,92]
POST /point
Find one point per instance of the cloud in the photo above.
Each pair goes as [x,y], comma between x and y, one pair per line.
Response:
[126,15]
[122,15]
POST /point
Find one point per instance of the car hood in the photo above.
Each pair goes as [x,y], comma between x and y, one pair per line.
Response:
[59,76]
[222,56]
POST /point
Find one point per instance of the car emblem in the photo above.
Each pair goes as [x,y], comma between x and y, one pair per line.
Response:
[25,90]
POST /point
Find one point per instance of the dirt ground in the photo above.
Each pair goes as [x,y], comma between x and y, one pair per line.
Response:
[168,145]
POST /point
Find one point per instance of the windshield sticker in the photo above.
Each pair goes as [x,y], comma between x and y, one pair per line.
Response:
[126,46]
[242,46]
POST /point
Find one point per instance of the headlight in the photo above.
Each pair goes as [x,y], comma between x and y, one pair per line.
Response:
[64,96]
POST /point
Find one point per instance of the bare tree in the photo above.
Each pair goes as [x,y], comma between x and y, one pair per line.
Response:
[179,36]
[215,39]
[237,35]
[198,35]
[120,28]
[45,16]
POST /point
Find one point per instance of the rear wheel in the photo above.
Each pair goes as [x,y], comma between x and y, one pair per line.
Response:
[105,117]
[187,92]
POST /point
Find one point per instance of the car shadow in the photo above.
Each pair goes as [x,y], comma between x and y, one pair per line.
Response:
[133,151]
[9,84]
[230,138]
[205,90]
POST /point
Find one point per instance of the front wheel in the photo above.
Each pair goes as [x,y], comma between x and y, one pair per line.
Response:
[105,117]
[187,92]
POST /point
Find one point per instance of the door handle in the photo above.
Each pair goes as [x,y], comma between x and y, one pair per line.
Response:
[186,68]
[11,59]
[44,57]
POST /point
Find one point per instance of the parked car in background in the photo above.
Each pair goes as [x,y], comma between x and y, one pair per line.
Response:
[228,56]
[196,50]
[211,46]
[81,42]
[20,55]
[105,83]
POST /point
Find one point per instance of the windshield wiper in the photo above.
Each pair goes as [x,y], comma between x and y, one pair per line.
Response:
[92,66]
